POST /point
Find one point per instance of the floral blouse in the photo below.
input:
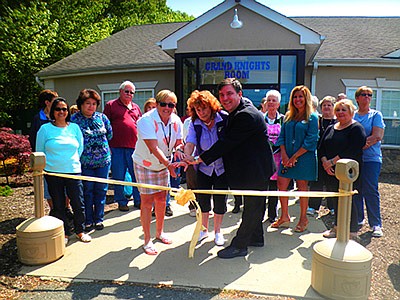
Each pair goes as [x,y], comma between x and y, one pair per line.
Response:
[96,132]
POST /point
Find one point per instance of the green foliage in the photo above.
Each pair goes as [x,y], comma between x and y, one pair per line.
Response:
[6,191]
[37,33]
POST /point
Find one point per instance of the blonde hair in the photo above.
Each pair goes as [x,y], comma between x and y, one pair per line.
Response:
[348,104]
[164,94]
[293,112]
[148,103]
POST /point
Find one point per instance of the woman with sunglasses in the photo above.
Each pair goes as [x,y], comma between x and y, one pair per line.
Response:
[372,121]
[344,139]
[62,142]
[159,134]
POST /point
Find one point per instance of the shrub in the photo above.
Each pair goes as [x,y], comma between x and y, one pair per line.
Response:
[15,152]
[5,191]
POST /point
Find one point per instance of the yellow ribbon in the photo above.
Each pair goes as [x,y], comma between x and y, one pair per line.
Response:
[183,196]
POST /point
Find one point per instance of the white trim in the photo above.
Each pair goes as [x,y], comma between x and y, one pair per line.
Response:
[377,83]
[307,36]
[111,71]
[141,85]
[343,62]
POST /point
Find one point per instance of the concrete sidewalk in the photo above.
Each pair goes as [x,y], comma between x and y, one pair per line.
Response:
[282,267]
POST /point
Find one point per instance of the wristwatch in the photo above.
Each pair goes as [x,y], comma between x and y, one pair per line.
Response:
[196,159]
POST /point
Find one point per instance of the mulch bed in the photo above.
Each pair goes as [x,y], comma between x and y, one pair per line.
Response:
[385,283]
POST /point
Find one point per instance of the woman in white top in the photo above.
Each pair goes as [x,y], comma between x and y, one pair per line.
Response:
[159,133]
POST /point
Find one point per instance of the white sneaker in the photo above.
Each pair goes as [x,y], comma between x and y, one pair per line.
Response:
[192,212]
[203,235]
[377,231]
[219,239]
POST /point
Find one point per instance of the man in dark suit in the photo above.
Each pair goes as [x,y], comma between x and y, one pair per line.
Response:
[248,163]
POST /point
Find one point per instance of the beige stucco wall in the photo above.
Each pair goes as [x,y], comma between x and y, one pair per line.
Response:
[329,79]
[257,33]
[69,87]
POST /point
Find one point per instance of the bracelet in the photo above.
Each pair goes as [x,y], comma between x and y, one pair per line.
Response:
[331,160]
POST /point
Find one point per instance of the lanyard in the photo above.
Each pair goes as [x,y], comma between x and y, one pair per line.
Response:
[167,141]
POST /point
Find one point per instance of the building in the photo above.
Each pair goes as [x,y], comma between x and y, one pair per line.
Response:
[262,48]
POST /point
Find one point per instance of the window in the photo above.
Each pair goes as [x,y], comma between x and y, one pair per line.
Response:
[386,99]
[144,91]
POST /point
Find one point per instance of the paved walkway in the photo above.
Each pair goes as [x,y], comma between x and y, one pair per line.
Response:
[282,267]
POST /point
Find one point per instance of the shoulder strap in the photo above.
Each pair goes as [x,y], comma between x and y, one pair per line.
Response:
[198,129]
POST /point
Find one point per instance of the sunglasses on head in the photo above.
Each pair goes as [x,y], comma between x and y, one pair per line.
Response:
[365,95]
[164,104]
[129,92]
[61,109]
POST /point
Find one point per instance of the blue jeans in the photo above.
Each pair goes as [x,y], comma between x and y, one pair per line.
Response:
[369,194]
[94,194]
[121,160]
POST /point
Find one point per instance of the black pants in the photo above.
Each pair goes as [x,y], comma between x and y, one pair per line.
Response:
[74,188]
[272,201]
[333,185]
[251,228]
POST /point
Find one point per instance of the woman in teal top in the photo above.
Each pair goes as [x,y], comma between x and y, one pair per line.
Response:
[62,142]
[298,142]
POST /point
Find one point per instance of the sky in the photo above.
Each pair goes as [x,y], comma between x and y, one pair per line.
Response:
[297,8]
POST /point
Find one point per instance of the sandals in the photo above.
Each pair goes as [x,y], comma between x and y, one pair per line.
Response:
[301,226]
[164,239]
[149,249]
[280,224]
[83,237]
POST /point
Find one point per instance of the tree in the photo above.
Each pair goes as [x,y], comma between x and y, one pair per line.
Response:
[37,33]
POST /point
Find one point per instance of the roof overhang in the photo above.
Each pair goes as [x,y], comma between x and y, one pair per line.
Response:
[307,36]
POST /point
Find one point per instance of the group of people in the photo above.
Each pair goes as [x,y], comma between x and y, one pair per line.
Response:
[228,144]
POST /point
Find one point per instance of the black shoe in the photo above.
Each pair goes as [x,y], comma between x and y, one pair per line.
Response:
[271,220]
[123,207]
[136,205]
[231,252]
[88,228]
[99,226]
[236,209]
[168,211]
[256,244]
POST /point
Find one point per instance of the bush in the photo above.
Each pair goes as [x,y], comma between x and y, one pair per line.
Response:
[15,153]
[5,191]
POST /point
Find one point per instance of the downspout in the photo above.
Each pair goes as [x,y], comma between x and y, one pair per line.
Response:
[39,82]
[314,77]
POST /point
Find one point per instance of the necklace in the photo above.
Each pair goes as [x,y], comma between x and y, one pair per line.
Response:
[208,123]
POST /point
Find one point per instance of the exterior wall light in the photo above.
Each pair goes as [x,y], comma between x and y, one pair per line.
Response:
[236,23]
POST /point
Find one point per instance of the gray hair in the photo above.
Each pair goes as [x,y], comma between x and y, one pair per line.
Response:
[125,83]
[274,93]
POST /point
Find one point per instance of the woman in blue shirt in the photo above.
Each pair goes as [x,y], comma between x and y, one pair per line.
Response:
[208,122]
[62,142]
[96,156]
[372,121]
[298,141]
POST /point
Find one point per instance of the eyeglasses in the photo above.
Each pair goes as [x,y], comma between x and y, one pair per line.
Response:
[129,92]
[365,95]
[64,109]
[164,104]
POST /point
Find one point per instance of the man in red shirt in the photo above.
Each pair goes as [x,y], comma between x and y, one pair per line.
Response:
[123,114]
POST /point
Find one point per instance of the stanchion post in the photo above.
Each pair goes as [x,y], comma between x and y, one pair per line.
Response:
[346,172]
[38,162]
